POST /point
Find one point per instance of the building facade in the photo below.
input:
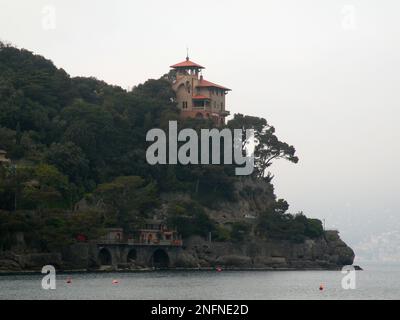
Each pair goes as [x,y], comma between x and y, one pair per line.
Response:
[3,157]
[152,233]
[156,232]
[197,97]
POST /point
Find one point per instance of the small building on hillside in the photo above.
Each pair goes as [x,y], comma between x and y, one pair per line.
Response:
[3,157]
[196,97]
[156,232]
[113,235]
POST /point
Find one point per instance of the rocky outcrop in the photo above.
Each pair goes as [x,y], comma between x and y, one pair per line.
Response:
[328,252]
[11,262]
[252,198]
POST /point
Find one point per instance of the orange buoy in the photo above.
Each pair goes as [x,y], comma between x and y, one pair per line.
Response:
[115,282]
[321,287]
[69,280]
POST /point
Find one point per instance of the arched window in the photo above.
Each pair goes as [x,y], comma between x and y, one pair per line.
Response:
[105,258]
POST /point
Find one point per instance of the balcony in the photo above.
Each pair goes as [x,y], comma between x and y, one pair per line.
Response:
[173,243]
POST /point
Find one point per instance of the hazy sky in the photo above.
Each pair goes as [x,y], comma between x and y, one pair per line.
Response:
[326,74]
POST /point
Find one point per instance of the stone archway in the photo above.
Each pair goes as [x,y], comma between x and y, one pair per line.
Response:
[105,258]
[160,259]
[132,255]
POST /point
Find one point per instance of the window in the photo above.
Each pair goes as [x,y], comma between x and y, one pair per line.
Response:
[188,86]
[184,105]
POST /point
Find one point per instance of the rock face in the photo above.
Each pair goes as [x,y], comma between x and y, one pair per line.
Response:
[328,252]
[31,261]
[252,198]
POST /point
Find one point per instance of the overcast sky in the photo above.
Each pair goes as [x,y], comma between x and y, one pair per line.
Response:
[324,73]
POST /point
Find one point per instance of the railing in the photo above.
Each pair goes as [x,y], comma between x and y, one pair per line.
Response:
[174,243]
[108,241]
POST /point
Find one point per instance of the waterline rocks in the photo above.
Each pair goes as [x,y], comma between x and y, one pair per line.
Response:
[327,252]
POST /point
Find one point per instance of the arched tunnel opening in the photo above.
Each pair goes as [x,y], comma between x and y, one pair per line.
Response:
[105,258]
[160,259]
[132,255]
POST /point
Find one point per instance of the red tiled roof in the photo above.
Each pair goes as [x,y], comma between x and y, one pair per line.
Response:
[187,64]
[208,84]
[200,97]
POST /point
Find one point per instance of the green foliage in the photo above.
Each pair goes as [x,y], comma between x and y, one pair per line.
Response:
[93,132]
[69,137]
[128,200]
[240,231]
[276,224]
[88,223]
[7,138]
[268,147]
[10,223]
[221,234]
[190,219]
[314,228]
[49,188]
[40,187]
[70,160]
[50,229]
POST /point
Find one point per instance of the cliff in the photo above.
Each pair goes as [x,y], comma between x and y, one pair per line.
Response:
[255,251]
[327,252]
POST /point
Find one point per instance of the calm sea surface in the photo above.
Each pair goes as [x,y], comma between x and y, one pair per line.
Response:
[375,282]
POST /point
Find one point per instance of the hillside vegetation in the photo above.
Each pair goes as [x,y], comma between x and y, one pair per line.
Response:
[74,138]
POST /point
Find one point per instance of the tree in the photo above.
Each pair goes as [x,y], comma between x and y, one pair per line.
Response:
[128,199]
[190,219]
[240,231]
[70,160]
[268,147]
[88,223]
[48,188]
[76,136]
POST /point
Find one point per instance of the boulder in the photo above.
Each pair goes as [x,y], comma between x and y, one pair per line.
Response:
[186,260]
